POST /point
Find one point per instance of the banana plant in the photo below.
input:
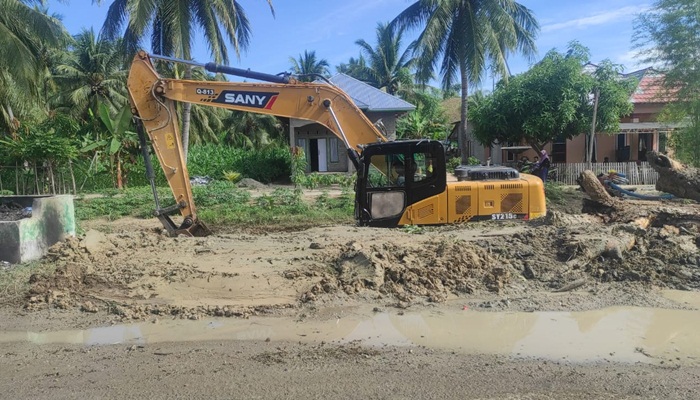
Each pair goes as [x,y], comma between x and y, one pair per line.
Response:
[118,140]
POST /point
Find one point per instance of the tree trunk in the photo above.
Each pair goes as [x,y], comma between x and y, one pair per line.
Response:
[595,189]
[462,138]
[186,113]
[72,177]
[674,177]
[591,139]
[120,182]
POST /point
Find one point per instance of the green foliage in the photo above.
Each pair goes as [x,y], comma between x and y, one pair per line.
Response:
[299,165]
[668,34]
[315,179]
[41,143]
[552,101]
[232,176]
[554,192]
[27,38]
[387,67]
[265,165]
[413,229]
[307,66]
[218,193]
[137,202]
[465,38]
[453,163]
[428,120]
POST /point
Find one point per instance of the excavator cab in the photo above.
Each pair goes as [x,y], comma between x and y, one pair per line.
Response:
[396,175]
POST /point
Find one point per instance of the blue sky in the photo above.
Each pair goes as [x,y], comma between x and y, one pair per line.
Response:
[331,27]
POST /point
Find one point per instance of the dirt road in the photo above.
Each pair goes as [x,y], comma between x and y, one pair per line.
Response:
[569,307]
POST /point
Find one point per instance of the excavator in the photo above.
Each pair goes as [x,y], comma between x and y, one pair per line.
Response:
[398,183]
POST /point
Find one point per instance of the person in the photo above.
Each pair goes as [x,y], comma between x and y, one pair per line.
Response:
[543,165]
[429,167]
[606,160]
[400,172]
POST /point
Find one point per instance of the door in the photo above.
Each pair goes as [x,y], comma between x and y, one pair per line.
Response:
[322,155]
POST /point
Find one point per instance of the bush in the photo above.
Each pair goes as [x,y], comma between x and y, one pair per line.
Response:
[264,165]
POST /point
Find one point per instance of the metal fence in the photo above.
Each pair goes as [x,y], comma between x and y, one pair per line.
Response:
[637,174]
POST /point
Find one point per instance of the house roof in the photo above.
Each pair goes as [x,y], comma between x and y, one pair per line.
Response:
[369,98]
[650,89]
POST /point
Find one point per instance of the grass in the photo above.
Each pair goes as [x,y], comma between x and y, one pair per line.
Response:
[222,203]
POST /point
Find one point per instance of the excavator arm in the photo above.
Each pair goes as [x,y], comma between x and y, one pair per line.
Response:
[153,101]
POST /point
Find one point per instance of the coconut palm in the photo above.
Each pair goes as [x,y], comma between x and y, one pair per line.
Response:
[308,67]
[355,67]
[25,32]
[89,75]
[388,68]
[251,130]
[466,37]
[172,25]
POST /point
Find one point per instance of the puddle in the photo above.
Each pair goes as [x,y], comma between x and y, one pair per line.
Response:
[620,334]
[684,297]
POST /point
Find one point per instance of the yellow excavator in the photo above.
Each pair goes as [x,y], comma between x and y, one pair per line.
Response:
[398,182]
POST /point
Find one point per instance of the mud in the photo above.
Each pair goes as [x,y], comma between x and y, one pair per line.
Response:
[573,262]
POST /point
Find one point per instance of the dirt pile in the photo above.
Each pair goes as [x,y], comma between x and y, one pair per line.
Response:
[12,211]
[140,274]
[429,269]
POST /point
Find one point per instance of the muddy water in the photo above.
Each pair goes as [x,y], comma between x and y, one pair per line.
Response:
[620,334]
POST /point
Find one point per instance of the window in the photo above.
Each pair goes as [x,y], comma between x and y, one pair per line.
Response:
[423,163]
[510,156]
[333,144]
[559,151]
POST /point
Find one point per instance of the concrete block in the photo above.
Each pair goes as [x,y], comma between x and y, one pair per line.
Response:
[27,239]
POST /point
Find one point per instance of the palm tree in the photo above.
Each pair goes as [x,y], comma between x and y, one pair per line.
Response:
[173,24]
[355,67]
[25,32]
[387,69]
[91,74]
[307,67]
[465,37]
[251,130]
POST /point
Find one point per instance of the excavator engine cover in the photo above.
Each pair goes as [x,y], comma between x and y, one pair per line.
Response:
[481,173]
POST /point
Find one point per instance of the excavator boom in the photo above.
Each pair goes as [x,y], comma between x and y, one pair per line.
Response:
[153,104]
[398,183]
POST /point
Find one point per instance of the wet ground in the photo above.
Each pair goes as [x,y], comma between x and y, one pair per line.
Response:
[574,306]
[616,334]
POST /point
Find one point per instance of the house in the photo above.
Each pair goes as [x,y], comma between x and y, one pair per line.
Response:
[324,151]
[639,132]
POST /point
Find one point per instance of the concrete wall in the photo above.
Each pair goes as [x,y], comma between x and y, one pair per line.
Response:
[52,220]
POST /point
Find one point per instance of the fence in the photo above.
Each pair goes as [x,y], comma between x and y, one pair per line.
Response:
[37,180]
[638,174]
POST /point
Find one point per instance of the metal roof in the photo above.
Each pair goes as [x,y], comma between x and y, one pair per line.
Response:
[635,127]
[369,98]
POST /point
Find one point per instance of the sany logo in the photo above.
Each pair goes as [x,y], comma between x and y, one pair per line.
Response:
[248,99]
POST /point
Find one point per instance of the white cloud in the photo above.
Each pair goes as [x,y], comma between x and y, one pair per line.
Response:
[624,13]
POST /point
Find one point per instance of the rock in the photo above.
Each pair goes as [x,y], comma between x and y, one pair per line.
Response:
[316,246]
[669,231]
[529,273]
[88,306]
[251,184]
